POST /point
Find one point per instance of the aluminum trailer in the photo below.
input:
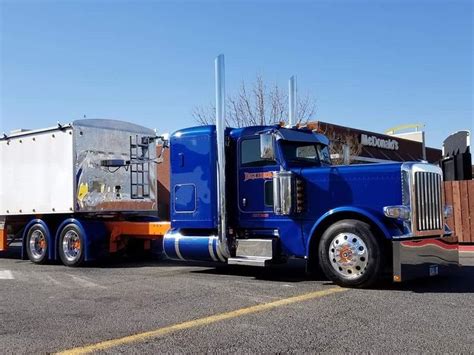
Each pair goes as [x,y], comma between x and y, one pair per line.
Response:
[69,192]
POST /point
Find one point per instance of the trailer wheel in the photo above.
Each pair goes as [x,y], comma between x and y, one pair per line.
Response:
[37,244]
[71,245]
[350,254]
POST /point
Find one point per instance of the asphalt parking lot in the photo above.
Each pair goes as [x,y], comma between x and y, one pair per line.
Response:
[162,306]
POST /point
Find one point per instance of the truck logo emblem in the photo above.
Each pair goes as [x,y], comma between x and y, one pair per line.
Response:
[257,176]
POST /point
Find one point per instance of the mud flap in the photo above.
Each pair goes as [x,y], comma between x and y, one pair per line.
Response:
[3,237]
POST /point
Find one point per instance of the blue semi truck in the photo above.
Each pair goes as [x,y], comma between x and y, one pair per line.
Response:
[283,199]
[250,196]
[260,195]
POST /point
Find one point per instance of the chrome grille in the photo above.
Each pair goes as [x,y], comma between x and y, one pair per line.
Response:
[428,201]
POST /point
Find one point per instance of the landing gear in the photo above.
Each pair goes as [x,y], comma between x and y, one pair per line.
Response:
[350,254]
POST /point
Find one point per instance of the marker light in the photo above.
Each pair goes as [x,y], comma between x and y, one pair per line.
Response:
[398,212]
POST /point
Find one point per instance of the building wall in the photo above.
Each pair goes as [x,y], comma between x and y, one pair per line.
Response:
[379,146]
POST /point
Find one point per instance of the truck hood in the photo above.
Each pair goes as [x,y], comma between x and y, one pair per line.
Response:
[352,170]
[367,186]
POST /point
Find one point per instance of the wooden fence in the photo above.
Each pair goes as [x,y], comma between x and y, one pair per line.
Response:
[460,194]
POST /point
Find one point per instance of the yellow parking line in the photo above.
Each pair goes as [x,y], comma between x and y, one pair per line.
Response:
[200,322]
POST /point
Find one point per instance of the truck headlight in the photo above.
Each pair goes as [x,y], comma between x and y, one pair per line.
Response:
[448,211]
[398,212]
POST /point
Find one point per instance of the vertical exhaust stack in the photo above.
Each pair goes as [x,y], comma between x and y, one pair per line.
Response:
[292,101]
[180,242]
[220,134]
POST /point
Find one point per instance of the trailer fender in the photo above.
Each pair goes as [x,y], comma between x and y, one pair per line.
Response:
[343,213]
[95,237]
[51,243]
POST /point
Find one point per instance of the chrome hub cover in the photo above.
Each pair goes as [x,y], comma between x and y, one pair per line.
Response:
[37,244]
[348,255]
[71,245]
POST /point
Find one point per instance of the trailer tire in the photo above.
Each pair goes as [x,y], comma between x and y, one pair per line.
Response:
[71,245]
[350,254]
[36,244]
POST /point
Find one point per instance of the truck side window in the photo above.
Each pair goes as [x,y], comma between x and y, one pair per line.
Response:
[250,154]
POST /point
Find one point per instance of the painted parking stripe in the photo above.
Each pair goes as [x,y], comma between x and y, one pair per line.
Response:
[84,282]
[200,322]
[6,275]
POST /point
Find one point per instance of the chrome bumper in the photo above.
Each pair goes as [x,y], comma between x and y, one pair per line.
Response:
[423,257]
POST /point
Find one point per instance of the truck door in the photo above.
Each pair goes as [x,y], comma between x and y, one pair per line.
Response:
[255,185]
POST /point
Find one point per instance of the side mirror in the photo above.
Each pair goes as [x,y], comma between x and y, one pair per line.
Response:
[267,148]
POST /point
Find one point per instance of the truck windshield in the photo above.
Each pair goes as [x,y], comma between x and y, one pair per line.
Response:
[301,153]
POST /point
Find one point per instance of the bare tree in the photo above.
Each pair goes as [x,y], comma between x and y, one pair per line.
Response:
[263,105]
[337,143]
[258,105]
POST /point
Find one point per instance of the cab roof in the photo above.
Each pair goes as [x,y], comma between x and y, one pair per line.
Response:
[288,134]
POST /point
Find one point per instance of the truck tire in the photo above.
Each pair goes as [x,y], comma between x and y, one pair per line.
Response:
[71,245]
[37,244]
[350,255]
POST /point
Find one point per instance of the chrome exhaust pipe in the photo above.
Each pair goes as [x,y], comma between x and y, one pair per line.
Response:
[292,101]
[223,243]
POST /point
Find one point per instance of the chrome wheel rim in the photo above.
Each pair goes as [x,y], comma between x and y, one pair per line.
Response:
[348,255]
[71,245]
[37,244]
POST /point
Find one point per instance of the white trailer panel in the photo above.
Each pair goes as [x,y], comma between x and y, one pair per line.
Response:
[36,173]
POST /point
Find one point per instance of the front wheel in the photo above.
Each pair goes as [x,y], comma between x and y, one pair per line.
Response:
[71,245]
[350,254]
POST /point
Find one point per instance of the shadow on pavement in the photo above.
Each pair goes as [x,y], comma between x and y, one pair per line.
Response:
[293,271]
[11,253]
[456,280]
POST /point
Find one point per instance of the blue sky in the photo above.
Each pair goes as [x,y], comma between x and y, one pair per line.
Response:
[369,64]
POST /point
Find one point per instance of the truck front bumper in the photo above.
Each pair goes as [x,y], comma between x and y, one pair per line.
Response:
[416,258]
